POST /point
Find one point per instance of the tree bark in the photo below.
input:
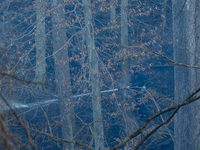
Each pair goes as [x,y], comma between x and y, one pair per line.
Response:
[62,72]
[124,41]
[131,123]
[113,15]
[94,77]
[124,44]
[40,70]
[186,50]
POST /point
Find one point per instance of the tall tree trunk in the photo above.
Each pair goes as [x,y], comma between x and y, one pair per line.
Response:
[62,72]
[186,50]
[112,12]
[124,45]
[40,70]
[124,26]
[94,77]
[113,15]
[124,40]
[131,123]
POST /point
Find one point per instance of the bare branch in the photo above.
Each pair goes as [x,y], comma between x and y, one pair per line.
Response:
[191,98]
[151,51]
[20,121]
[20,79]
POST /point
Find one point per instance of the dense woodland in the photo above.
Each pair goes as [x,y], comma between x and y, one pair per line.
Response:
[99,74]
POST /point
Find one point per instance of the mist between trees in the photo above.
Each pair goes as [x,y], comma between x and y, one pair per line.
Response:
[99,75]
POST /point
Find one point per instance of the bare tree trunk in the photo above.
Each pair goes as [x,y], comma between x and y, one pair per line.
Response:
[113,15]
[40,70]
[186,50]
[131,123]
[164,16]
[124,44]
[112,12]
[124,40]
[62,72]
[94,77]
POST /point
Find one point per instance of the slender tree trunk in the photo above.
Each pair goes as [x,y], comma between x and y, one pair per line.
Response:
[113,15]
[124,24]
[124,44]
[112,12]
[164,16]
[186,50]
[62,72]
[94,78]
[131,123]
[124,40]
[40,70]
